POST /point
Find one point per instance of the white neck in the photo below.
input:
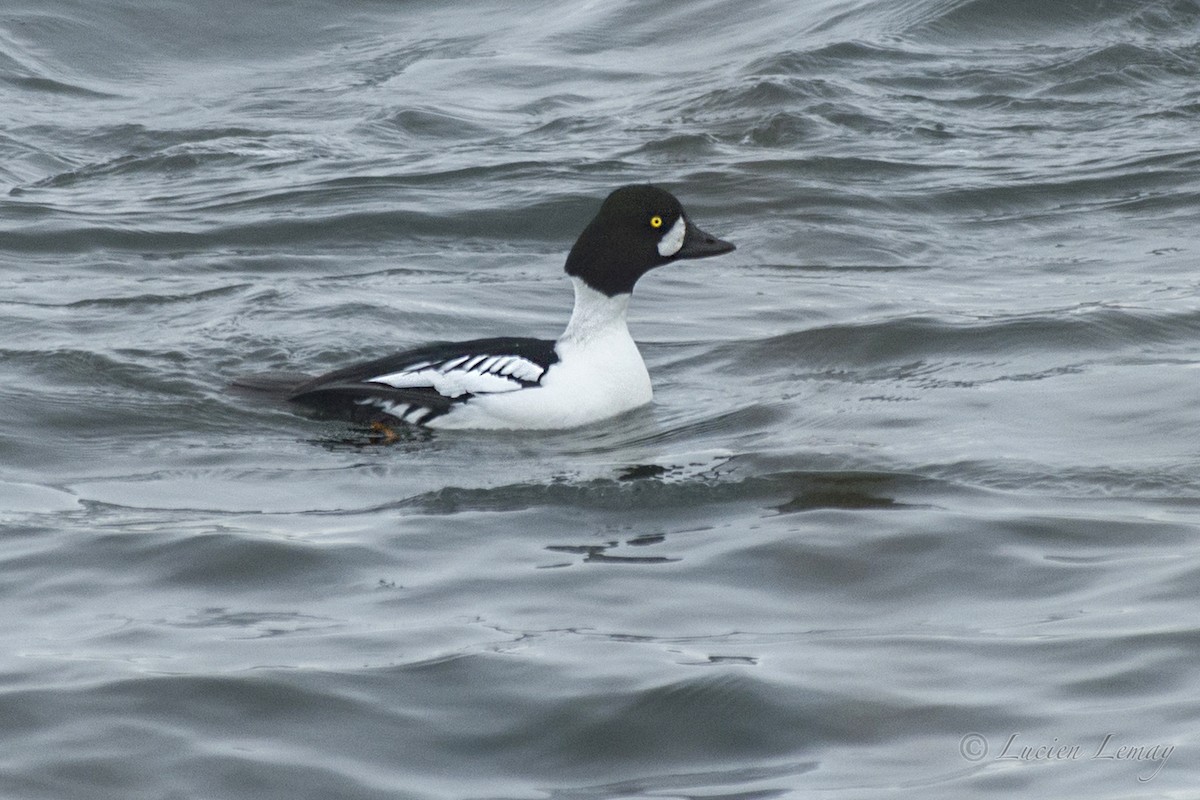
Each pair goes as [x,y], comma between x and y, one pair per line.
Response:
[595,314]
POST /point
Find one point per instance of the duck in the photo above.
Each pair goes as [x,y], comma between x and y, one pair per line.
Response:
[592,372]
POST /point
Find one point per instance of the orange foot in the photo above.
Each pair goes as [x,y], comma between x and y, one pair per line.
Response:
[388,436]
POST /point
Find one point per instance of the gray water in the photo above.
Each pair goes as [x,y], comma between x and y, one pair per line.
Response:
[914,513]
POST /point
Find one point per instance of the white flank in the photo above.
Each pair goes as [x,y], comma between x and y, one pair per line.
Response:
[600,374]
[672,240]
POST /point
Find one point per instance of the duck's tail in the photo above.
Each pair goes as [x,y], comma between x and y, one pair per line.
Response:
[271,386]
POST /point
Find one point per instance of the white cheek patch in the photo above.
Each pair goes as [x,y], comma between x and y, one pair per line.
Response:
[672,240]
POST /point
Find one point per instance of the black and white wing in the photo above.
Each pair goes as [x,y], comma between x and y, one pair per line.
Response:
[418,385]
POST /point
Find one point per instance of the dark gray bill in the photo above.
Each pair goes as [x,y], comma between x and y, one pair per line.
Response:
[698,244]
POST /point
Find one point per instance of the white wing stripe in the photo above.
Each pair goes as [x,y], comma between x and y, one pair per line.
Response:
[454,383]
[479,374]
[525,370]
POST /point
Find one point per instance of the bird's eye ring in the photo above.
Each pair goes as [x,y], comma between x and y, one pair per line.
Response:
[656,221]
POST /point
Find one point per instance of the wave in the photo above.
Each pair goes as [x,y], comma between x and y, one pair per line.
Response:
[973,22]
[1082,331]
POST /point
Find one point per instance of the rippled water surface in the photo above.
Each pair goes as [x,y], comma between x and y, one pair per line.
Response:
[914,513]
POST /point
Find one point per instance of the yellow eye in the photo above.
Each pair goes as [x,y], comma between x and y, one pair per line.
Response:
[656,222]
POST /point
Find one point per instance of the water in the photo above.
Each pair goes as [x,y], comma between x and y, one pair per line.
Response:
[914,512]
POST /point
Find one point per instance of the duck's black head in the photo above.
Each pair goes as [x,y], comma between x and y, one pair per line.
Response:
[637,229]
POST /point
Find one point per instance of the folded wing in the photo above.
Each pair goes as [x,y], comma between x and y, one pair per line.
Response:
[419,385]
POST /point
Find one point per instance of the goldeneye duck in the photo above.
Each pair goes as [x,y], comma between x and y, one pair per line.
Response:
[592,372]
